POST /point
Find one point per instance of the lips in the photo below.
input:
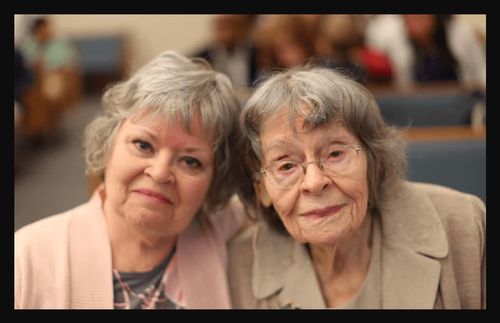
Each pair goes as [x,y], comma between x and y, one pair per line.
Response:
[322,212]
[152,194]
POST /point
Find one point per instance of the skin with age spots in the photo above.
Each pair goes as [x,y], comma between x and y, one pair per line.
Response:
[302,207]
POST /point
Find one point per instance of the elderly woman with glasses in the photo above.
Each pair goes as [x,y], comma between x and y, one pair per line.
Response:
[153,235]
[341,227]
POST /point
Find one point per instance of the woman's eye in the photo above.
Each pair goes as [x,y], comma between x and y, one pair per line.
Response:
[142,145]
[286,167]
[192,162]
[336,152]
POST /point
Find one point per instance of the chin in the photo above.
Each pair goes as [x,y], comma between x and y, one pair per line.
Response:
[323,239]
[151,219]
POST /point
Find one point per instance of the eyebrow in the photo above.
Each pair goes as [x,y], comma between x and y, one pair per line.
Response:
[189,149]
[276,144]
[196,149]
[145,129]
[338,138]
[142,131]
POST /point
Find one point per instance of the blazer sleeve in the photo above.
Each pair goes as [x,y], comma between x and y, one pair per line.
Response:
[480,220]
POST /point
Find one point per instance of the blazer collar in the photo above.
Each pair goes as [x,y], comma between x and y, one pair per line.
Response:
[413,238]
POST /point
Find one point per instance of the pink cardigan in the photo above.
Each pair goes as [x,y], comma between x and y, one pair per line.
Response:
[64,261]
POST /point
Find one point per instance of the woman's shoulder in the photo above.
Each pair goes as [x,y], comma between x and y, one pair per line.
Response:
[46,229]
[42,248]
[463,218]
[51,230]
[230,219]
[243,239]
[455,208]
[445,197]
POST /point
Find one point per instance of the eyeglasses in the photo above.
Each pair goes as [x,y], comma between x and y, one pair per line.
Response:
[338,159]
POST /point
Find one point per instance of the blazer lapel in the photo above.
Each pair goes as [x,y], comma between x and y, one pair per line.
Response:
[291,274]
[300,287]
[413,242]
[410,280]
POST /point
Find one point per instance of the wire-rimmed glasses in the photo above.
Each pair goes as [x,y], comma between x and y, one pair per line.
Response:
[336,160]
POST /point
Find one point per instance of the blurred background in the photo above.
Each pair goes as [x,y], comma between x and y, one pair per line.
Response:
[427,72]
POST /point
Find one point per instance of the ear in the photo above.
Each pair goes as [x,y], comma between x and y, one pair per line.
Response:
[262,194]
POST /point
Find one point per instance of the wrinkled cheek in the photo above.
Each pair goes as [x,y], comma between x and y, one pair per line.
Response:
[285,203]
[285,206]
[360,197]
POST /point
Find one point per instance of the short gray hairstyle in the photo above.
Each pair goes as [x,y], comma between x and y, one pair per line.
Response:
[173,87]
[321,95]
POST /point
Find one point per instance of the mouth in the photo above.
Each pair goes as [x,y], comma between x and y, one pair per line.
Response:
[152,195]
[323,212]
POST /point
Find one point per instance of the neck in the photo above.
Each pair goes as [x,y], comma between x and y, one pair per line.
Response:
[342,267]
[133,250]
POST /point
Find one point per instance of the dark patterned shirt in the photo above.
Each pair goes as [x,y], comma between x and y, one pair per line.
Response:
[145,290]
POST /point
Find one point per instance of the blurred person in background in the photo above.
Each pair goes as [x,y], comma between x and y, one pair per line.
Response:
[53,63]
[22,77]
[22,81]
[312,23]
[425,48]
[284,41]
[340,45]
[338,226]
[232,50]
[153,234]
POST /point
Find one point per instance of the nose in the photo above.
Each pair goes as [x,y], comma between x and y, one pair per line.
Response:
[315,180]
[160,169]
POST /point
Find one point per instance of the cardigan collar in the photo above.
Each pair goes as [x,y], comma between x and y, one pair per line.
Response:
[413,238]
[201,268]
[90,258]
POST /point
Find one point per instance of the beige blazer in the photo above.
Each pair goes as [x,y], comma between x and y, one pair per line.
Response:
[64,261]
[433,256]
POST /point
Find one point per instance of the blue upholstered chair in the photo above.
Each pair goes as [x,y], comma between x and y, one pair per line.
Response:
[101,54]
[459,164]
[427,110]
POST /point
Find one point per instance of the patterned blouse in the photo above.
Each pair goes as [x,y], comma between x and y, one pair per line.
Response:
[147,290]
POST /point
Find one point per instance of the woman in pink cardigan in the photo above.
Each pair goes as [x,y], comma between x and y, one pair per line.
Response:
[153,234]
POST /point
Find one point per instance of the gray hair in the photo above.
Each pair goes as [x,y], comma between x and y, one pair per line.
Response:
[321,95]
[173,87]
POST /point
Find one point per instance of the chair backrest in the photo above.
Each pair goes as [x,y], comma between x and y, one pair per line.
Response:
[459,164]
[103,54]
[426,110]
